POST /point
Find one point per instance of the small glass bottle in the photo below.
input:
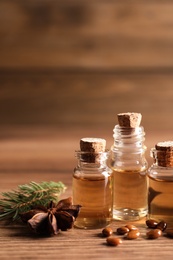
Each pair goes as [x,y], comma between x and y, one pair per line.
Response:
[127,159]
[92,185]
[160,192]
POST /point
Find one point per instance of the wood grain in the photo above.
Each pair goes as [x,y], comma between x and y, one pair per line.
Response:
[94,34]
[57,99]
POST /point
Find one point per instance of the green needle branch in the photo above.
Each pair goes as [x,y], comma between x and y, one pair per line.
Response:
[28,196]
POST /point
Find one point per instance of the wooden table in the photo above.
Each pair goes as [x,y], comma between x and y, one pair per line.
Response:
[51,158]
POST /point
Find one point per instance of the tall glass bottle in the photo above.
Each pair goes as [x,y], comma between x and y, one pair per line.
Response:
[127,159]
[92,185]
[160,192]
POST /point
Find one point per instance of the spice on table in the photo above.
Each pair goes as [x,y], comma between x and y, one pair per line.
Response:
[154,233]
[131,227]
[50,220]
[162,225]
[151,223]
[28,196]
[114,241]
[122,230]
[107,232]
[133,234]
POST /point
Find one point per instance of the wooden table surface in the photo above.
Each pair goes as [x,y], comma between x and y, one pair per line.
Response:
[42,158]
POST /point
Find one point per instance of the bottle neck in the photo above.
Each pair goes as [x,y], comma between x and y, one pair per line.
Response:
[128,150]
[91,159]
[129,140]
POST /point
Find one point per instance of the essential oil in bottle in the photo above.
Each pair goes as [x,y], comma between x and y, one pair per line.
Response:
[160,193]
[127,160]
[92,185]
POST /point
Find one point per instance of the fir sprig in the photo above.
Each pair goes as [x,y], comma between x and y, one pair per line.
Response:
[28,196]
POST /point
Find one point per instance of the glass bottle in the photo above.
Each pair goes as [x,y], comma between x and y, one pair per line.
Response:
[127,159]
[160,192]
[92,185]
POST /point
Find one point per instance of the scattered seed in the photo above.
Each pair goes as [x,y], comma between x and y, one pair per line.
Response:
[113,241]
[122,230]
[131,227]
[151,223]
[107,232]
[153,234]
[162,225]
[133,234]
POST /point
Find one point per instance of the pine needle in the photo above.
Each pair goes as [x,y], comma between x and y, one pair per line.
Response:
[27,196]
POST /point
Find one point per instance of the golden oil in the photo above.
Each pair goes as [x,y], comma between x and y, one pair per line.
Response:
[129,194]
[94,193]
[160,176]
[92,185]
[160,199]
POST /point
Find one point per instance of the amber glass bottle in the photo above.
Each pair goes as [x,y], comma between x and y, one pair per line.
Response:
[127,160]
[160,193]
[92,185]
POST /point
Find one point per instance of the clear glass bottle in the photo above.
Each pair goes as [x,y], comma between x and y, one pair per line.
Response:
[160,192]
[127,159]
[92,189]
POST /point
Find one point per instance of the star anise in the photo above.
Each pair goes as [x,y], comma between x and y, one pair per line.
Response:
[50,220]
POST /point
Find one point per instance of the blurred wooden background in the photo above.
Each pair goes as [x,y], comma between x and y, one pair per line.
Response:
[68,67]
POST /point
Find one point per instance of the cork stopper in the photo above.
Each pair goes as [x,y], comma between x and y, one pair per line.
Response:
[91,147]
[92,144]
[129,120]
[164,146]
[164,153]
